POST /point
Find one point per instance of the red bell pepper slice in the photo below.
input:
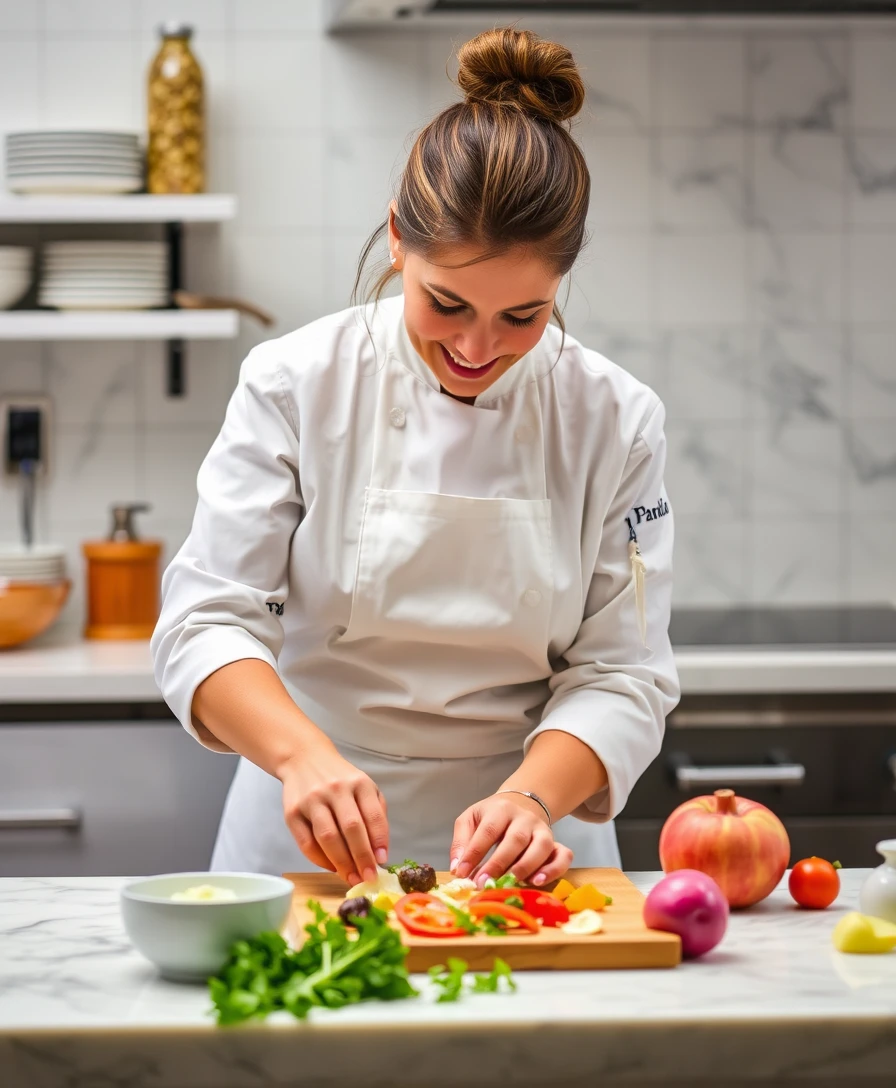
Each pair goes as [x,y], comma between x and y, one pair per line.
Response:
[479,908]
[426,916]
[549,910]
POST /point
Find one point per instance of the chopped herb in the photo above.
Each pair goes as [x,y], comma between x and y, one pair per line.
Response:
[407,862]
[508,880]
[451,979]
[515,901]
[490,984]
[465,920]
[495,925]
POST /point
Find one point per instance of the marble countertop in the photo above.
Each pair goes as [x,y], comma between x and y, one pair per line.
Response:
[62,667]
[775,1001]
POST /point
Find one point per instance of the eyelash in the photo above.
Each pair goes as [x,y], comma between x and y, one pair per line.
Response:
[448,311]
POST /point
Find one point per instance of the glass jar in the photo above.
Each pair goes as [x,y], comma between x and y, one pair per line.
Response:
[176,144]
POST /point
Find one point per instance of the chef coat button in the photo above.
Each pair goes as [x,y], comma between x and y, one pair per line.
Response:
[523,434]
[397,417]
[531,597]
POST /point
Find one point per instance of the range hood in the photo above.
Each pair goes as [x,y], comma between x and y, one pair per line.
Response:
[420,13]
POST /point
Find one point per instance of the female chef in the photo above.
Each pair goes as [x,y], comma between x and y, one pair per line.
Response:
[426,591]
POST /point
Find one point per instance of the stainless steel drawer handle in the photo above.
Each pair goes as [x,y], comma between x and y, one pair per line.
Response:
[779,774]
[39,819]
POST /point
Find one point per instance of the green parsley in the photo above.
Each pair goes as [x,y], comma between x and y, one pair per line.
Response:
[330,970]
[490,984]
[450,979]
[408,863]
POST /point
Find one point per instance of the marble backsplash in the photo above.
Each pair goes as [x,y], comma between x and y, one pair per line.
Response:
[742,261]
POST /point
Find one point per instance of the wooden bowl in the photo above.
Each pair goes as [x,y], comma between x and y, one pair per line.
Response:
[28,608]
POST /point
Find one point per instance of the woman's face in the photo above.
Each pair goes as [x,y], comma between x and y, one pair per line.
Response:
[470,324]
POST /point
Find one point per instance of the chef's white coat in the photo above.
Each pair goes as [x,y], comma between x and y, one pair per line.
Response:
[437,583]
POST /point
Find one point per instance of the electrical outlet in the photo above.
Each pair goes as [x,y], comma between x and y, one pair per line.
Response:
[25,431]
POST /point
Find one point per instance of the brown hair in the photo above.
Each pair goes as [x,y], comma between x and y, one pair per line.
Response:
[499,169]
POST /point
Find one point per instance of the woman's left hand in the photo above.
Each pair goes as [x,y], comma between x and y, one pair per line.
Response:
[525,842]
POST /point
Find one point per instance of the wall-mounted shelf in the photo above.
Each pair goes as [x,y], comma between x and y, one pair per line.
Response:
[175,326]
[118,324]
[138,208]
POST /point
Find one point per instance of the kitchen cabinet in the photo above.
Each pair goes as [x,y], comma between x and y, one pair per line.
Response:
[825,765]
[110,796]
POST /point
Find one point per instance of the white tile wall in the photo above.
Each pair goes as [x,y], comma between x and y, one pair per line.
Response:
[742,260]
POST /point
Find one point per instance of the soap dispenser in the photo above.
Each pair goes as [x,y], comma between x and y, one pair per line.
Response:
[122,579]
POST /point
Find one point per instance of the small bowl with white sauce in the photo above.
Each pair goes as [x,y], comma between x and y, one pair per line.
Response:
[186,923]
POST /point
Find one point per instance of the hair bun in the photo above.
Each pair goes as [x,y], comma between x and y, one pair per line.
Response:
[518,68]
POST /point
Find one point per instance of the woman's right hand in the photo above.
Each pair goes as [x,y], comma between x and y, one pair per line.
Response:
[335,812]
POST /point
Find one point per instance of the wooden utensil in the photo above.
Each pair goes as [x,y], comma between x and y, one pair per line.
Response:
[624,941]
[187,300]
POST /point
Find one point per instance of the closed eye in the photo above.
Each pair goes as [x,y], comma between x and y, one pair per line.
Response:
[511,319]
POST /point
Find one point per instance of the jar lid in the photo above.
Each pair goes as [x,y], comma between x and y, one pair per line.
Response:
[174,29]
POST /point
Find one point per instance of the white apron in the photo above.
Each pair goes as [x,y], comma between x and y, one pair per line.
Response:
[463,583]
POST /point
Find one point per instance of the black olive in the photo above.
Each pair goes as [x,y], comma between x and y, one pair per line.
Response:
[359,907]
[417,878]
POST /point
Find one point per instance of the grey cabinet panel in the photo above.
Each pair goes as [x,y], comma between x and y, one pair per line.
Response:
[107,798]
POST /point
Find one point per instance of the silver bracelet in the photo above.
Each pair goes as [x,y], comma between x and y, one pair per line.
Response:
[534,797]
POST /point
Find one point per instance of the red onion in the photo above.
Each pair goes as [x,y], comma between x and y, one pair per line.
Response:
[691,904]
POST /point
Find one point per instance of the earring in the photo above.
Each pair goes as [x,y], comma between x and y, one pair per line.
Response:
[392,259]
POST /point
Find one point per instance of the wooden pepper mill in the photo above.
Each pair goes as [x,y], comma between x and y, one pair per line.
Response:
[122,580]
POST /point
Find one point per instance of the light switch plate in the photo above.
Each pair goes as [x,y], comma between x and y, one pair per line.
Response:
[27,402]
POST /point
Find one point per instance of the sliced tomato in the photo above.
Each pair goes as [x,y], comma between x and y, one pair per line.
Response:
[425,916]
[509,913]
[549,910]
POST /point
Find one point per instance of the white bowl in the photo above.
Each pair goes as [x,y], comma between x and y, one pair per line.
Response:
[14,282]
[189,941]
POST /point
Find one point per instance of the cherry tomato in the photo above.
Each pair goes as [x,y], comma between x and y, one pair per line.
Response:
[549,910]
[509,913]
[814,882]
[426,916]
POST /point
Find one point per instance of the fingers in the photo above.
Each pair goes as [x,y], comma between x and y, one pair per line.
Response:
[555,866]
[329,838]
[355,833]
[302,833]
[342,826]
[464,826]
[373,810]
[490,827]
[524,850]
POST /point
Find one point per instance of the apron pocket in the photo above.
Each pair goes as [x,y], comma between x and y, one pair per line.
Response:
[454,571]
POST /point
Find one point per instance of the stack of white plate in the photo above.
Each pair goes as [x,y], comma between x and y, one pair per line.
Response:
[104,275]
[15,274]
[73,162]
[42,563]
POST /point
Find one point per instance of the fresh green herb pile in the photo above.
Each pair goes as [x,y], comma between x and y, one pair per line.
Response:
[330,970]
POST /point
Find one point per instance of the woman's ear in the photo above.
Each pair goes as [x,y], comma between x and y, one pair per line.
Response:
[396,256]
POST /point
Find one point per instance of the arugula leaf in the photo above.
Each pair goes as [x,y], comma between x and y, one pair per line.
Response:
[450,978]
[490,984]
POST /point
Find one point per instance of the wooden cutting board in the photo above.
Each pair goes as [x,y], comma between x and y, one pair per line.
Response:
[624,941]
